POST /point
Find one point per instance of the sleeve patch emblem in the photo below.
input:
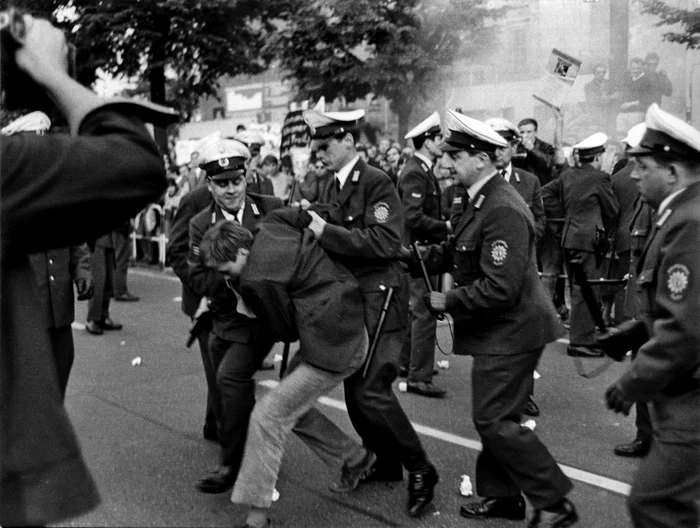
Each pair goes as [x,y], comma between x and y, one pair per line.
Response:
[381,212]
[499,252]
[416,195]
[457,200]
[195,250]
[678,281]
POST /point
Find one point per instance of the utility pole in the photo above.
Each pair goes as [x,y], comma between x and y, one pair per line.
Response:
[619,40]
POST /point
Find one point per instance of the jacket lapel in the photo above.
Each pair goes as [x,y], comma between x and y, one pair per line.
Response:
[352,182]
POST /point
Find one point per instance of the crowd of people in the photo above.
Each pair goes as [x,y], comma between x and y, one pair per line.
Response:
[346,260]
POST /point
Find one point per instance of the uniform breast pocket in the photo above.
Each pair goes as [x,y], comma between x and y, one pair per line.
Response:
[466,258]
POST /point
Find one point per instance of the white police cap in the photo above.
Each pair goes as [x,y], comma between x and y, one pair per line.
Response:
[592,144]
[466,133]
[427,127]
[37,122]
[324,125]
[222,159]
[634,136]
[504,127]
[250,137]
[667,134]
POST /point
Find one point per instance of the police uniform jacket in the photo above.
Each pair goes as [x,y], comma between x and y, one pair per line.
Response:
[626,193]
[227,322]
[369,240]
[55,271]
[528,186]
[498,302]
[667,367]
[299,293]
[422,208]
[57,190]
[586,197]
[179,243]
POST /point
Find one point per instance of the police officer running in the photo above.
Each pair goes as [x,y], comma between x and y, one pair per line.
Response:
[504,319]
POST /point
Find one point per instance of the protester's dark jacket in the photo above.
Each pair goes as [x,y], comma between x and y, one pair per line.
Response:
[528,186]
[179,243]
[498,302]
[57,190]
[538,160]
[626,192]
[227,322]
[299,292]
[420,198]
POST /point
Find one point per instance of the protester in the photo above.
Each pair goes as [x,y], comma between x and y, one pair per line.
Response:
[105,171]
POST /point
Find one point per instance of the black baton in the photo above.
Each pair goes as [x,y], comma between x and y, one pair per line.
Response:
[426,277]
[378,331]
[285,358]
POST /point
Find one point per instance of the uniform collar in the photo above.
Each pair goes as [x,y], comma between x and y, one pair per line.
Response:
[667,201]
[474,189]
[344,172]
[424,159]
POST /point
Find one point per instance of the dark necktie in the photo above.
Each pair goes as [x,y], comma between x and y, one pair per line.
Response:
[504,173]
[337,185]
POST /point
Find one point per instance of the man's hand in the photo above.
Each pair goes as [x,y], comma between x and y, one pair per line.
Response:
[203,307]
[615,400]
[436,302]
[317,224]
[528,143]
[449,227]
[85,288]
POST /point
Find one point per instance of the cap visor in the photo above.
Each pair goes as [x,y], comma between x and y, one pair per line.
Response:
[228,175]
[639,151]
[444,146]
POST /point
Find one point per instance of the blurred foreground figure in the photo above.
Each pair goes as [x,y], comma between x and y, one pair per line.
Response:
[504,319]
[666,371]
[105,170]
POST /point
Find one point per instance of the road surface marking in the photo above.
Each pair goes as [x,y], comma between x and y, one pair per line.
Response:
[586,477]
[153,274]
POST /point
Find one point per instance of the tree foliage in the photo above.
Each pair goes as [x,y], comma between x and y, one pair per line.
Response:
[390,48]
[670,16]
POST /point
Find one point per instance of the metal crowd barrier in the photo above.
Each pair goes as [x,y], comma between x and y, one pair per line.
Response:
[160,238]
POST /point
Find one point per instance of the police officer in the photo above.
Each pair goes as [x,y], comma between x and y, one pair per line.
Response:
[528,186]
[504,319]
[368,243]
[585,195]
[237,344]
[423,223]
[666,371]
[257,182]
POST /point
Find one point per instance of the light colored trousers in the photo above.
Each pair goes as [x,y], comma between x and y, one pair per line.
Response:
[274,417]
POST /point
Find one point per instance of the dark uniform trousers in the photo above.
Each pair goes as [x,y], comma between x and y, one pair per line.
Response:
[666,371]
[103,264]
[420,197]
[178,248]
[237,344]
[372,224]
[122,254]
[503,318]
[582,330]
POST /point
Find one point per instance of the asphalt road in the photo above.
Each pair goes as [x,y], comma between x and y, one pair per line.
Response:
[140,429]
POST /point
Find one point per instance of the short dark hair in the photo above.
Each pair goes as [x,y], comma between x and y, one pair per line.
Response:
[222,241]
[588,158]
[419,141]
[270,159]
[528,121]
[361,148]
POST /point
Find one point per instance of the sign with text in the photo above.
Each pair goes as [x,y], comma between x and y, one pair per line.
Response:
[560,74]
[295,133]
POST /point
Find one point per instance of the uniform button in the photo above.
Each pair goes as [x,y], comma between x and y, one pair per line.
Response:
[50,261]
[51,277]
[455,266]
[350,218]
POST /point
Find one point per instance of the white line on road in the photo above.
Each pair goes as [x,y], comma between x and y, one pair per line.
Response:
[586,477]
[153,274]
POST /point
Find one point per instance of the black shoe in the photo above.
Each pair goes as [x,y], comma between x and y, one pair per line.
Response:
[351,475]
[420,490]
[530,408]
[638,448]
[93,328]
[384,472]
[210,433]
[218,481]
[505,508]
[108,324]
[583,351]
[403,372]
[565,515]
[425,388]
[127,297]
